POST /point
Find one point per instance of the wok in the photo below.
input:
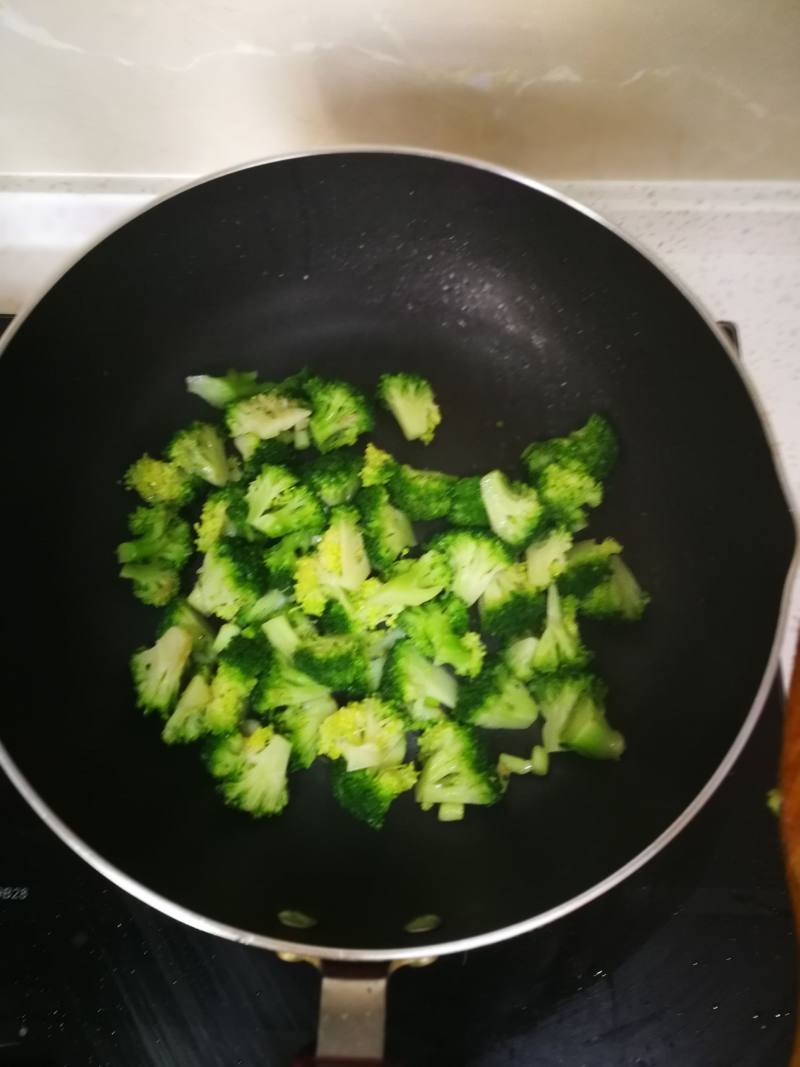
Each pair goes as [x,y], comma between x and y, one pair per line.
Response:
[520,306]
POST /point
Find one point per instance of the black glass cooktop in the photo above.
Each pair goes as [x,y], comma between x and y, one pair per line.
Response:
[690,963]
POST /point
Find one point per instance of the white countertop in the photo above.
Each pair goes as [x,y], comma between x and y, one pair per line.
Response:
[736,245]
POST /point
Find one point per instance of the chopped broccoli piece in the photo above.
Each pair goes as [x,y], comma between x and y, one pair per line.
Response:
[278,504]
[339,617]
[286,686]
[338,661]
[224,514]
[508,765]
[301,725]
[455,768]
[160,535]
[219,392]
[240,665]
[587,730]
[618,597]
[548,558]
[198,450]
[272,602]
[230,580]
[510,605]
[368,794]
[285,631]
[557,695]
[366,735]
[497,700]
[514,509]
[158,482]
[567,492]
[157,671]
[154,583]
[592,448]
[410,399]
[188,721]
[334,477]
[180,613]
[377,467]
[560,645]
[281,559]
[225,634]
[413,682]
[475,559]
[387,530]
[518,657]
[587,564]
[422,495]
[540,760]
[253,770]
[408,583]
[378,644]
[341,413]
[466,503]
[265,415]
[341,551]
[273,453]
[439,630]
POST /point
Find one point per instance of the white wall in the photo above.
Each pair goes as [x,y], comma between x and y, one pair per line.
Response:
[562,88]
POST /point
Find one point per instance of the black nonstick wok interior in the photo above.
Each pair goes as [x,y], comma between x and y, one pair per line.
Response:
[523,311]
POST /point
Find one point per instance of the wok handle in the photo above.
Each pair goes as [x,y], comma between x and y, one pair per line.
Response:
[352,1016]
[790,807]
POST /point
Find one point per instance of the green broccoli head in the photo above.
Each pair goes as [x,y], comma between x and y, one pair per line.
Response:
[586,564]
[281,558]
[157,671]
[387,530]
[278,504]
[159,534]
[367,735]
[301,725]
[466,503]
[592,448]
[510,605]
[274,453]
[439,630]
[158,482]
[154,583]
[230,580]
[557,695]
[518,657]
[198,450]
[408,583]
[240,665]
[339,617]
[567,492]
[221,391]
[368,794]
[338,661]
[224,514]
[421,494]
[286,630]
[618,596]
[253,770]
[410,399]
[560,646]
[341,554]
[188,721]
[265,415]
[284,685]
[335,477]
[474,557]
[588,732]
[377,466]
[496,700]
[180,613]
[413,682]
[573,706]
[514,509]
[547,558]
[455,768]
[341,413]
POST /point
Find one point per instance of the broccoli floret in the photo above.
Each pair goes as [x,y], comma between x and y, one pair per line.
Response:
[439,630]
[387,530]
[410,399]
[514,509]
[286,630]
[272,602]
[275,453]
[301,725]
[557,695]
[413,682]
[230,580]
[339,617]
[224,514]
[518,657]
[338,661]
[592,448]
[548,558]
[334,477]
[496,700]
[341,552]
[253,770]
[378,644]
[265,415]
[277,504]
[422,495]
[219,392]
[159,534]
[560,645]
[154,583]
[455,768]
[619,596]
[240,665]
[510,605]
[466,503]
[157,671]
[587,731]
[281,559]
[368,795]
[377,467]
[474,557]
[369,734]
[587,563]
[180,613]
[225,634]
[408,583]
[341,413]
[158,482]
[567,492]
[188,721]
[199,451]
[286,686]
